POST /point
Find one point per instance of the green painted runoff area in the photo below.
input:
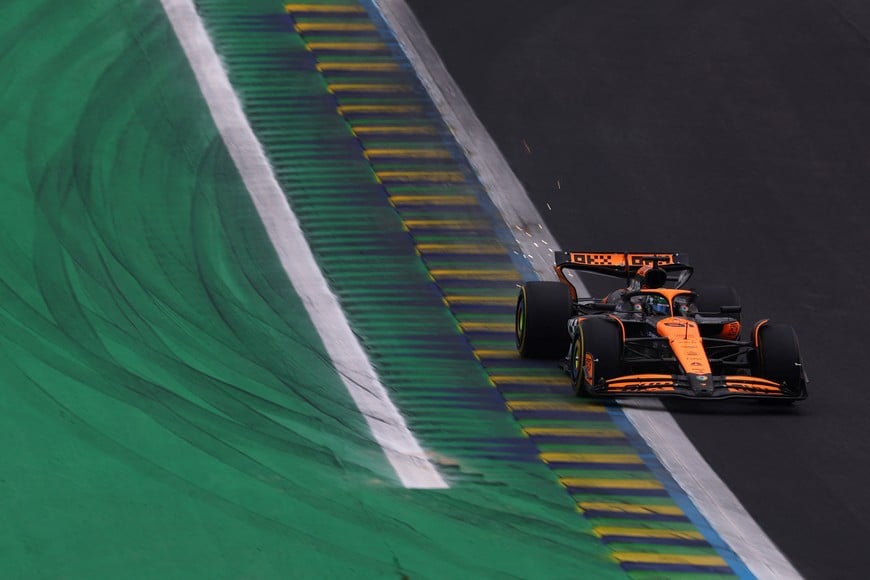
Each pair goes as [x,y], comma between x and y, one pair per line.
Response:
[167,409]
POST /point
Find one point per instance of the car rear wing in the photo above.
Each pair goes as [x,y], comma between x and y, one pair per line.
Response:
[623,264]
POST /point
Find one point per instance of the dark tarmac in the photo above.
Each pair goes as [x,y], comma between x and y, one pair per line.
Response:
[739,133]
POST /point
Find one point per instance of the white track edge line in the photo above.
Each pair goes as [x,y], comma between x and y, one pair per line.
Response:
[388,427]
[662,433]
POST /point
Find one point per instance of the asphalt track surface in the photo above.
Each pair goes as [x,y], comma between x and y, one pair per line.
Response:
[739,133]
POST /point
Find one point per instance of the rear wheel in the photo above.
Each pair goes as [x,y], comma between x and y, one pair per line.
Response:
[543,310]
[595,354]
[778,356]
[711,299]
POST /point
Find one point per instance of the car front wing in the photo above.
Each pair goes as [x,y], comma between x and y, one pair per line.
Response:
[696,387]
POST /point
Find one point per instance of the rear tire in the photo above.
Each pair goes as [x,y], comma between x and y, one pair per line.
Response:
[778,356]
[595,354]
[711,299]
[541,323]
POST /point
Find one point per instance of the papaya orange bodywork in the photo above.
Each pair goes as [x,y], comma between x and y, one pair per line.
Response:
[684,339]
[620,258]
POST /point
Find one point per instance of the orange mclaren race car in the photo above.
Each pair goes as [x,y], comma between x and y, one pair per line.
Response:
[653,337]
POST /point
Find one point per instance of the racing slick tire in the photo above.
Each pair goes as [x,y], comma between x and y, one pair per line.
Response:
[595,354]
[778,357]
[711,299]
[541,323]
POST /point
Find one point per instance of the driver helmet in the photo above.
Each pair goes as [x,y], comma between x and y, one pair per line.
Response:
[658,305]
[648,277]
[638,281]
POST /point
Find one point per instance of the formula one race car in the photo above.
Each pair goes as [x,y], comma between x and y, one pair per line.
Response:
[653,337]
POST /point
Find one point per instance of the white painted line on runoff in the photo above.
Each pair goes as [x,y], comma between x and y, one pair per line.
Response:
[387,424]
[706,490]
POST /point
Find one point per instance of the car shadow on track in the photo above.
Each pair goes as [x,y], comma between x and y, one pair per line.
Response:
[735,407]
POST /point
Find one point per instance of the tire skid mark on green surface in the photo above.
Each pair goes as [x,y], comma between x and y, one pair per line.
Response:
[407,157]
[167,408]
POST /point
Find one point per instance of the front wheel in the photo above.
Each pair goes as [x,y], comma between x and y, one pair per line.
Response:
[778,357]
[541,323]
[595,354]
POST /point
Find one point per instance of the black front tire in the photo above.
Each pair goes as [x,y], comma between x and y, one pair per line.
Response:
[595,354]
[541,323]
[778,357]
